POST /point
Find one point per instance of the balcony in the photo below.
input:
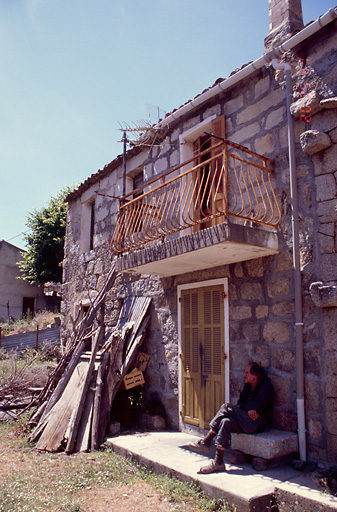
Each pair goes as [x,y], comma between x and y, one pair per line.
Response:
[217,208]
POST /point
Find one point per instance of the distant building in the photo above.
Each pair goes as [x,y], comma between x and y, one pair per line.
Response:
[17,297]
[229,224]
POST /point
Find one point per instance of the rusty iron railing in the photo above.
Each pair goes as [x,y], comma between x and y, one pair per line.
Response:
[224,180]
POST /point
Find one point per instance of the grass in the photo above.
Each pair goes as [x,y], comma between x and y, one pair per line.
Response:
[28,323]
[34,482]
[20,371]
[328,480]
[83,482]
[28,367]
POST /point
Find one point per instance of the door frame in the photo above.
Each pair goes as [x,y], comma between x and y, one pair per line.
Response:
[203,284]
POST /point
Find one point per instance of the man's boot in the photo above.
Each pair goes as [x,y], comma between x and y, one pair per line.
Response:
[203,445]
[217,464]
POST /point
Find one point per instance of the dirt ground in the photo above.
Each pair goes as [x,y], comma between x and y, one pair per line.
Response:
[42,476]
[138,497]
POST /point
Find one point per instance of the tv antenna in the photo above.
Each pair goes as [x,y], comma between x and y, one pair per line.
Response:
[142,132]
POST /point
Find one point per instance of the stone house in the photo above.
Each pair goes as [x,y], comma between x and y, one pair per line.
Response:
[16,296]
[224,213]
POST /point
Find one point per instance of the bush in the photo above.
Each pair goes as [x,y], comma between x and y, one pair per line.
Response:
[328,480]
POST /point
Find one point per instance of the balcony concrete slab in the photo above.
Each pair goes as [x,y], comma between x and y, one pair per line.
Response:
[225,243]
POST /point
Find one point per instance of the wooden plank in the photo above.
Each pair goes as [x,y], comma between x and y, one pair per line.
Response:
[76,416]
[112,377]
[52,436]
[62,415]
[132,313]
[57,394]
[84,432]
[115,378]
[62,383]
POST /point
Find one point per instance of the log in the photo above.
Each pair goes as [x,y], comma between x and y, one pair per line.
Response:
[84,432]
[111,378]
[97,402]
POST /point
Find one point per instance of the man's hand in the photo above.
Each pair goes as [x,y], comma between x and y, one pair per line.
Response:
[253,414]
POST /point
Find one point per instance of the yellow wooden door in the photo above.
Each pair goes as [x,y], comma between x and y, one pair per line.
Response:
[203,362]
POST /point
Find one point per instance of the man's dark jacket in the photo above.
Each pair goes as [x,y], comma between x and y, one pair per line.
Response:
[261,398]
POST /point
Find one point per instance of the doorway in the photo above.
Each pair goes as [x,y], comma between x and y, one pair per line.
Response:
[204,363]
[28,307]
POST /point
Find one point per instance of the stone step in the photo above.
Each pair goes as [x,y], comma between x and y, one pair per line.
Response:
[303,494]
[269,444]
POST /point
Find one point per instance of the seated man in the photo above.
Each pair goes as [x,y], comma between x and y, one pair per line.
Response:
[252,414]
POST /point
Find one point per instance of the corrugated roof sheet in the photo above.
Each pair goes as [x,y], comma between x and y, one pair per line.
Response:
[28,339]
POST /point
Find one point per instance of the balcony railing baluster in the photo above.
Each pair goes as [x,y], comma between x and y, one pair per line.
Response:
[227,183]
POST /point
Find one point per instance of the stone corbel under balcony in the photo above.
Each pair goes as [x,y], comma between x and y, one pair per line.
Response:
[324,295]
[313,141]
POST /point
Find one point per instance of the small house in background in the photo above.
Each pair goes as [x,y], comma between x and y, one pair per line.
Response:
[224,214]
[17,297]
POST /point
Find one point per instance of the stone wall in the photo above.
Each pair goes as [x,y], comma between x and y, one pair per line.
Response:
[13,289]
[261,291]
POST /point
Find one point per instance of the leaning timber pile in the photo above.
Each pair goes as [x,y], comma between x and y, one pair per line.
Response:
[73,410]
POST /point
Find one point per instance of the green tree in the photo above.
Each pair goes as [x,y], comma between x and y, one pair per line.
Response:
[45,242]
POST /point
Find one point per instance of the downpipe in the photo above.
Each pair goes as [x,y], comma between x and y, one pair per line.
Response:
[248,70]
[297,267]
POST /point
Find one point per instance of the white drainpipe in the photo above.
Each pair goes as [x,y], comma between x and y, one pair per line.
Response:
[297,268]
[251,68]
[225,84]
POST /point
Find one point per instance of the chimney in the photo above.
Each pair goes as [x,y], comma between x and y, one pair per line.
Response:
[285,19]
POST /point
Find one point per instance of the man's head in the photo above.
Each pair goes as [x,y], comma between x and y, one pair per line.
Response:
[253,373]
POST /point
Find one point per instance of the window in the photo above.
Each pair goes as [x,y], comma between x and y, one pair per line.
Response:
[138,182]
[134,211]
[209,186]
[92,226]
[28,306]
[88,225]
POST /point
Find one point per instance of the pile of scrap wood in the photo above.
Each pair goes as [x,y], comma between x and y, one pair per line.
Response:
[74,408]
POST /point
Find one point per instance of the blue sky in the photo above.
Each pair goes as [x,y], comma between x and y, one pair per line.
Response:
[72,70]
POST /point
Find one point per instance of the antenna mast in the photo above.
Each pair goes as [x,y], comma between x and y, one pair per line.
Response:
[142,131]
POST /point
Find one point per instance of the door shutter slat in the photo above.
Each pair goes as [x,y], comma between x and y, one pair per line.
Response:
[217,351]
[195,350]
[187,349]
[194,309]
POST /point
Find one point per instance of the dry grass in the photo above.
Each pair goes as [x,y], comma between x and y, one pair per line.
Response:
[28,324]
[86,482]
[21,375]
[82,482]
